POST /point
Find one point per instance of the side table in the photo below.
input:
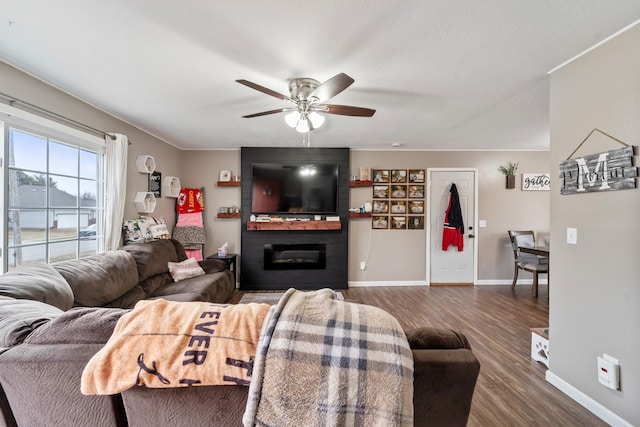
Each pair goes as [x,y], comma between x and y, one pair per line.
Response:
[230,262]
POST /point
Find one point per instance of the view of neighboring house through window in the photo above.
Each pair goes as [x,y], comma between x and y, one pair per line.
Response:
[54,199]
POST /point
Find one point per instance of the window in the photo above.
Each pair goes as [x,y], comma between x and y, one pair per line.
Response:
[53,197]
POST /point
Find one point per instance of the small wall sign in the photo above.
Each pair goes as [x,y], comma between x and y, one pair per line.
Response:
[536,181]
[609,171]
[155,178]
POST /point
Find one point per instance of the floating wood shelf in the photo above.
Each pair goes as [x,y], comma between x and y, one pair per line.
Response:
[228,215]
[228,183]
[359,215]
[359,184]
[295,225]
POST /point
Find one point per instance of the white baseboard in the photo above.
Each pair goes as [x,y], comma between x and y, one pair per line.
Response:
[527,282]
[497,282]
[596,408]
[364,283]
[361,283]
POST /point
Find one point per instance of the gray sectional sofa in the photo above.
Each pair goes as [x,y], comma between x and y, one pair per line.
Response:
[54,318]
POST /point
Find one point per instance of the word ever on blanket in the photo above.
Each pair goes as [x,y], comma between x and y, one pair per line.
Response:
[164,343]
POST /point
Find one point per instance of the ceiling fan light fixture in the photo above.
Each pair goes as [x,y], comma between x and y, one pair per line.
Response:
[303,126]
[316,119]
[292,118]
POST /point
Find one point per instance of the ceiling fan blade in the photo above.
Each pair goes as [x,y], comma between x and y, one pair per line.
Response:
[264,113]
[331,87]
[264,90]
[346,110]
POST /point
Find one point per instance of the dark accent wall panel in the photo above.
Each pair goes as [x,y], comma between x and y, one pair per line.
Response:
[335,275]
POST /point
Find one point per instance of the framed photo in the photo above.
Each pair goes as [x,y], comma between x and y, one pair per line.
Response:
[155,183]
[399,222]
[416,191]
[416,223]
[380,175]
[416,175]
[380,222]
[380,191]
[398,191]
[365,174]
[380,206]
[399,175]
[399,207]
[225,176]
[416,207]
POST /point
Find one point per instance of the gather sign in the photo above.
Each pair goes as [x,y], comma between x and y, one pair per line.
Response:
[536,181]
[609,171]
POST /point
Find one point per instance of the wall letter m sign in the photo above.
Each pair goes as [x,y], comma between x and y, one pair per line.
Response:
[608,171]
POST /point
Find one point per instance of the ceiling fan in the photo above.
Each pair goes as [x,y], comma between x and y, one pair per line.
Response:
[308,97]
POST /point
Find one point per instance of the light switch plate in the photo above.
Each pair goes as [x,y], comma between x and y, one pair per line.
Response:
[572,236]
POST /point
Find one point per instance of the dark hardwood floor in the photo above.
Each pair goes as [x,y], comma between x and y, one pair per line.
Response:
[511,389]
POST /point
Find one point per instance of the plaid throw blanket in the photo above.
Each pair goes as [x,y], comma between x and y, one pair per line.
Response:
[326,362]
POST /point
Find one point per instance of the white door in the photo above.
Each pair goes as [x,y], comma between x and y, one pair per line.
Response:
[451,265]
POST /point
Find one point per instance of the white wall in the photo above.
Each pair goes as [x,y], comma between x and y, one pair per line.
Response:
[595,285]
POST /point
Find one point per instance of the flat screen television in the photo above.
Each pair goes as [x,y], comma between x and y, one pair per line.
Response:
[310,188]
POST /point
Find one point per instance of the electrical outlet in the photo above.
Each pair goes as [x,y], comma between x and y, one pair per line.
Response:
[363,265]
[609,371]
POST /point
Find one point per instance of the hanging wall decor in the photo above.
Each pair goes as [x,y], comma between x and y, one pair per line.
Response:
[536,182]
[607,171]
[155,183]
[398,199]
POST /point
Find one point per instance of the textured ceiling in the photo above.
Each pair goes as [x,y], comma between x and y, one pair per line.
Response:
[447,74]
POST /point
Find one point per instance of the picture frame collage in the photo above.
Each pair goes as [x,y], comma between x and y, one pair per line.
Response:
[398,199]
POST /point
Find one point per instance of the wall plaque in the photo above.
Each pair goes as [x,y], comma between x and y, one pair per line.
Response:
[608,171]
[155,178]
[535,181]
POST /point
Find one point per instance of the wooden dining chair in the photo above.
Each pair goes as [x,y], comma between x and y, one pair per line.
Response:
[528,262]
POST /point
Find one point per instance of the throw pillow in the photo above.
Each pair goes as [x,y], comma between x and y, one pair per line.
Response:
[185,269]
[131,231]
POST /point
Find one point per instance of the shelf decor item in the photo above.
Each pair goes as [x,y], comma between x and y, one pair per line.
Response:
[225,176]
[365,174]
[509,171]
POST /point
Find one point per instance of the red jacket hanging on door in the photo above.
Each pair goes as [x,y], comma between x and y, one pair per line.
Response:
[453,232]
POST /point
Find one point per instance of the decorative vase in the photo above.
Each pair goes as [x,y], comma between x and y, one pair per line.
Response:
[511,181]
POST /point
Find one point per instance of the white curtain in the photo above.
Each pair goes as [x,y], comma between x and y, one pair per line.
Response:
[115,189]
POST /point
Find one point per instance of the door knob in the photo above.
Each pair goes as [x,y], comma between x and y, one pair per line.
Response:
[471,236]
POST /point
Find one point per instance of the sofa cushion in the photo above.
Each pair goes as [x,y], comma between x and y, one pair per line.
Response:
[37,282]
[152,258]
[185,270]
[20,317]
[99,279]
[214,287]
[152,283]
[434,339]
[212,265]
[80,325]
[127,300]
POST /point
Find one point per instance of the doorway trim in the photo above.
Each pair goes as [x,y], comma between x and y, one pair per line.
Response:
[475,224]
